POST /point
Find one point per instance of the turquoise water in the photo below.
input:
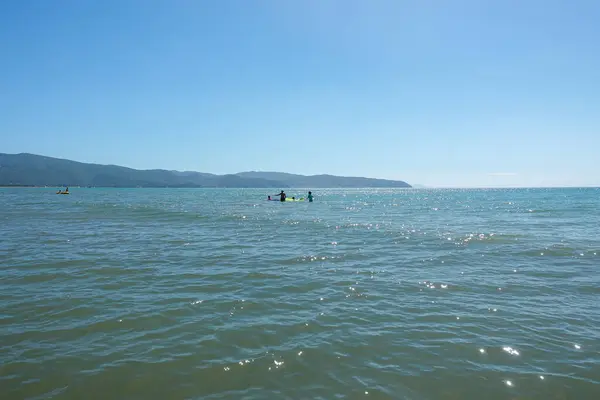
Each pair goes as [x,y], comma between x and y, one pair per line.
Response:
[374,294]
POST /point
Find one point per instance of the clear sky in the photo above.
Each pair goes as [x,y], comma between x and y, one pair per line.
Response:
[441,93]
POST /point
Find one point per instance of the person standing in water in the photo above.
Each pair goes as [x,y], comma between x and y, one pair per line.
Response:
[281,196]
[310,197]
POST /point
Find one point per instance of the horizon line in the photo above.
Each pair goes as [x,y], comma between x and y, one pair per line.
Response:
[297,188]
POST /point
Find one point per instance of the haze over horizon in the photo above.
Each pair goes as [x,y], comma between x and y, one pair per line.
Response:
[468,94]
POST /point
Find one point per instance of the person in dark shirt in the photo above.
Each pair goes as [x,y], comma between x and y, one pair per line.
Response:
[281,196]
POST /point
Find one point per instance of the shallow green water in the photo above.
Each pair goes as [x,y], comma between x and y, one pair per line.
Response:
[375,294]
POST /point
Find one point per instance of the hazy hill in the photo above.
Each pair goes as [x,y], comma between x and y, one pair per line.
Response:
[34,170]
[321,181]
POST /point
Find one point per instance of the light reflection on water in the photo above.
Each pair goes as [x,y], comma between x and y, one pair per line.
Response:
[417,294]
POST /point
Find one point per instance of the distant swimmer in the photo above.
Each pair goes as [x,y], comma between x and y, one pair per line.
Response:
[269,197]
[310,197]
[281,196]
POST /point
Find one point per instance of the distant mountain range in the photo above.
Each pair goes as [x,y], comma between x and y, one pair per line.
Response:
[34,170]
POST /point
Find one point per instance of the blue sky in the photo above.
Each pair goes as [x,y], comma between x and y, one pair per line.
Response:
[441,93]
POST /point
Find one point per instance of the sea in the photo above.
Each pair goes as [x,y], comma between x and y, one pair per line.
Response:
[362,294]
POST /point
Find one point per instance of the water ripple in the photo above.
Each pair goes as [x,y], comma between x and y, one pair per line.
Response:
[412,294]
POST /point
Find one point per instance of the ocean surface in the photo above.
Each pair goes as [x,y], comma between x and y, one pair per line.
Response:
[362,294]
